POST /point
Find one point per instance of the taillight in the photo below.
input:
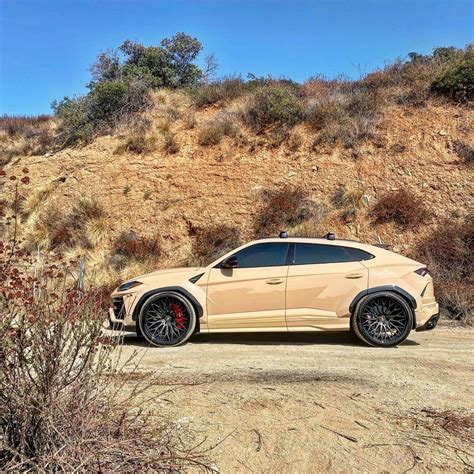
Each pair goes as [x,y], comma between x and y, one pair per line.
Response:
[422,271]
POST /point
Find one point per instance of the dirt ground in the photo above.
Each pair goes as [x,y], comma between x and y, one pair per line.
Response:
[321,402]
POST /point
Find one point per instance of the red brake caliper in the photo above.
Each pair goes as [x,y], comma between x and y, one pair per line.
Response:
[179,315]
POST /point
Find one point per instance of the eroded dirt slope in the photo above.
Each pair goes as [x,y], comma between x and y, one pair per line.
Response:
[172,195]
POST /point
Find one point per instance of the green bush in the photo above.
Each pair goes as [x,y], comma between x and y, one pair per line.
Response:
[75,125]
[107,99]
[275,104]
[456,81]
[170,64]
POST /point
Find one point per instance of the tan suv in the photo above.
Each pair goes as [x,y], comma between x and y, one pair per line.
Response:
[283,284]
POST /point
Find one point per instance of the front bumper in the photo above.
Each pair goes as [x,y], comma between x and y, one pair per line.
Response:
[120,313]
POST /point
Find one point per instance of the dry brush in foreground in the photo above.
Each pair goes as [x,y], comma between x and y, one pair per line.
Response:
[66,404]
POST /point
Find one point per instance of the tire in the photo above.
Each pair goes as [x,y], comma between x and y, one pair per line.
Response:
[382,319]
[167,319]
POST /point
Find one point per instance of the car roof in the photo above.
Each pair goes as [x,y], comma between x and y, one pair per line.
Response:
[373,249]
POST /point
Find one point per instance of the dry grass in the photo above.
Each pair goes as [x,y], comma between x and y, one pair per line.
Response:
[403,207]
[221,125]
[35,199]
[138,142]
[171,144]
[84,226]
[22,124]
[351,195]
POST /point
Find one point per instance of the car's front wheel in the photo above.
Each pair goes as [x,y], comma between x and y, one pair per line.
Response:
[167,319]
[382,319]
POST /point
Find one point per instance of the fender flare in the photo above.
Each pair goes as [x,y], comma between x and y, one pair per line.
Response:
[392,288]
[177,289]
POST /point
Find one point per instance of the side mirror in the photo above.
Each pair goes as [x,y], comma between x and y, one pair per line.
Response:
[230,262]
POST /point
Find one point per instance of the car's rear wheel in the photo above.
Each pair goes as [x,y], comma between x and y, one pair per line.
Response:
[382,319]
[167,319]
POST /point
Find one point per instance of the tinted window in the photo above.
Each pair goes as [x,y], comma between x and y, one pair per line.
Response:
[262,255]
[357,255]
[306,254]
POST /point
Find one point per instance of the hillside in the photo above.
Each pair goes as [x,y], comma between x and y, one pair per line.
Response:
[195,174]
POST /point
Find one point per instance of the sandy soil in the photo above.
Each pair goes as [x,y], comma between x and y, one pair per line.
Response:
[319,402]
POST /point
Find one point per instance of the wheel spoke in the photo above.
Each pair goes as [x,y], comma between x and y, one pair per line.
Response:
[166,320]
[383,320]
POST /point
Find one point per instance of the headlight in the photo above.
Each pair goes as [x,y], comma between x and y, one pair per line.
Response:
[129,285]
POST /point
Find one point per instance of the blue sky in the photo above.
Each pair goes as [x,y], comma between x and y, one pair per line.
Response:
[46,46]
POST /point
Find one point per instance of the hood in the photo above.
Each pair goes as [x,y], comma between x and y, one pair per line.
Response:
[181,273]
[171,270]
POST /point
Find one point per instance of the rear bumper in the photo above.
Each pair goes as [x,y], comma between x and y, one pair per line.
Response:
[426,311]
[430,324]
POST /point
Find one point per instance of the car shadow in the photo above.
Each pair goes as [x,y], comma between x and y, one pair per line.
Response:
[268,339]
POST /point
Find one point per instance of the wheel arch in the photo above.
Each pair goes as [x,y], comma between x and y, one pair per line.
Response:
[386,288]
[178,289]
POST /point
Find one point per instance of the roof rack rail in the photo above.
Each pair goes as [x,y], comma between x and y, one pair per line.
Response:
[283,234]
[331,236]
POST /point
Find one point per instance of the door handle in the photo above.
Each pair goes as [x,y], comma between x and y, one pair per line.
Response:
[275,281]
[353,276]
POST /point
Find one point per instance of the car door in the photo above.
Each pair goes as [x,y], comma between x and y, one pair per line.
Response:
[250,297]
[322,282]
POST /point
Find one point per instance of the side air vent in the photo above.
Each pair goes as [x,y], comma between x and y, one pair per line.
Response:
[196,278]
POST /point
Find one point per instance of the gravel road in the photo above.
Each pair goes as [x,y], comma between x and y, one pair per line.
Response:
[319,402]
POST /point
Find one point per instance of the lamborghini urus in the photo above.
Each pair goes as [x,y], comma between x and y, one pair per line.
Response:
[283,284]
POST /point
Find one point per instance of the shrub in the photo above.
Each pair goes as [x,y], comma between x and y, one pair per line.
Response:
[402,207]
[456,81]
[464,151]
[130,246]
[74,123]
[349,117]
[223,124]
[226,89]
[273,105]
[212,242]
[106,105]
[448,253]
[107,100]
[64,399]
[283,208]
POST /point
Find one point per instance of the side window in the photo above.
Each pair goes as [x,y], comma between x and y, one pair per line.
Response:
[358,255]
[306,254]
[262,255]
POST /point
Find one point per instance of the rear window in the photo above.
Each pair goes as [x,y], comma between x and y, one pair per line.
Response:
[307,254]
[357,254]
